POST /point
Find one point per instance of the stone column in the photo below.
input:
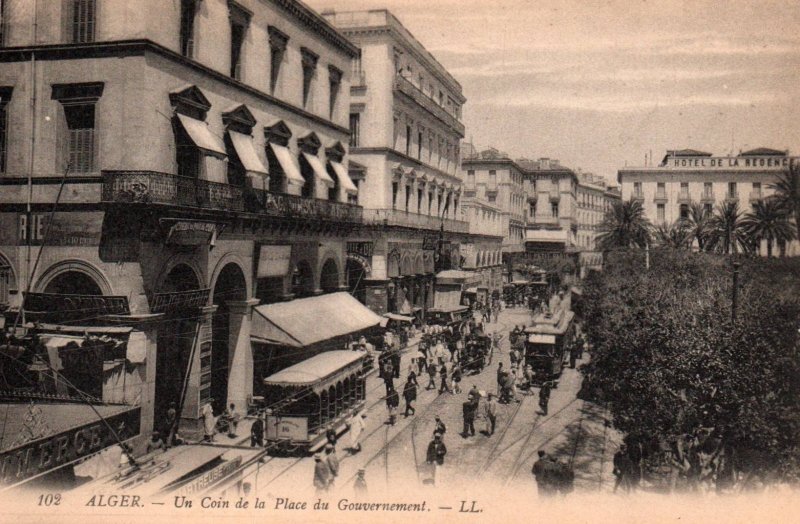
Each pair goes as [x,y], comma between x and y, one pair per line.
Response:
[240,353]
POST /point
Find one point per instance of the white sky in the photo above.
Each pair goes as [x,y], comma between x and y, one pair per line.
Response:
[597,84]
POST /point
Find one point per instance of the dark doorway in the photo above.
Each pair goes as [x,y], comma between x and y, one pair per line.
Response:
[329,278]
[73,283]
[230,286]
[302,280]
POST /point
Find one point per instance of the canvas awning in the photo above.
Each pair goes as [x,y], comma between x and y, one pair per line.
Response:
[454,276]
[394,316]
[288,163]
[315,369]
[319,170]
[202,136]
[447,300]
[344,179]
[246,150]
[307,321]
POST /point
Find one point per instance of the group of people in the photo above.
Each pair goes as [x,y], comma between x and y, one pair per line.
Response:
[552,476]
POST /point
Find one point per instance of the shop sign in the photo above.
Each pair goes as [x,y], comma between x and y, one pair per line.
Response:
[47,454]
[73,307]
[166,302]
[192,233]
[211,477]
[273,261]
[363,249]
[430,242]
[361,261]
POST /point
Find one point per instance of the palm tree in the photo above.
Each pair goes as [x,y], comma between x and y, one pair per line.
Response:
[769,221]
[624,226]
[698,223]
[677,235]
[787,192]
[726,232]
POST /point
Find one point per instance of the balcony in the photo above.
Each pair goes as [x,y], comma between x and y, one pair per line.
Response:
[150,187]
[402,85]
[661,197]
[555,196]
[756,195]
[638,197]
[707,197]
[684,198]
[397,217]
[731,198]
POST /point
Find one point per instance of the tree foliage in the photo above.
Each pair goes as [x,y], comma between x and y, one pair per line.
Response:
[787,193]
[727,233]
[624,225]
[720,399]
[769,221]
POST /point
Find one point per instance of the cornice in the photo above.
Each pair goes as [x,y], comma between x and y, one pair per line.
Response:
[315,22]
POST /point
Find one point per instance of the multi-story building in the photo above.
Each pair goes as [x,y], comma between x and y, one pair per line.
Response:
[492,177]
[594,199]
[552,219]
[686,176]
[165,167]
[405,118]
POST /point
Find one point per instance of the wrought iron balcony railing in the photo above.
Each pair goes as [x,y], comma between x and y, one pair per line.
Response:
[405,86]
[397,217]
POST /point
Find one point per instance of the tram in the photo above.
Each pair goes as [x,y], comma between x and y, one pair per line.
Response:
[311,397]
[547,343]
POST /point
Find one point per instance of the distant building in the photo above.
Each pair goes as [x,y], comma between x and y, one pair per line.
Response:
[405,120]
[687,175]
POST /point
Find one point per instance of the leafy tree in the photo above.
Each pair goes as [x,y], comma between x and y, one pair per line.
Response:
[787,192]
[768,221]
[677,235]
[714,401]
[624,226]
[726,231]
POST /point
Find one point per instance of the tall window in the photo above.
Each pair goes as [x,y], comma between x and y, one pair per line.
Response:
[5,96]
[419,201]
[731,189]
[80,137]
[237,41]
[3,25]
[685,189]
[419,145]
[188,11]
[707,190]
[554,209]
[408,140]
[277,48]
[492,179]
[757,189]
[408,197]
[471,178]
[355,129]
[335,83]
[684,212]
[660,210]
[708,208]
[309,69]
[430,201]
[395,190]
[637,189]
[661,190]
[82,21]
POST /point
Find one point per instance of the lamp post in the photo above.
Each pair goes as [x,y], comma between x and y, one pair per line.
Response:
[735,291]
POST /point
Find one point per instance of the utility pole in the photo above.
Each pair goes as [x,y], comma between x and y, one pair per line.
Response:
[735,291]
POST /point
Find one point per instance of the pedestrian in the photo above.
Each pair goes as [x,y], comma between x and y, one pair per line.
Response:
[468,410]
[333,463]
[622,469]
[573,356]
[490,410]
[443,376]
[544,396]
[331,437]
[412,373]
[170,425]
[209,421]
[422,360]
[528,379]
[435,454]
[257,431]
[440,426]
[388,375]
[395,359]
[360,484]
[500,375]
[231,417]
[543,472]
[155,443]
[410,395]
[456,378]
[356,426]
[431,375]
[322,475]
[392,401]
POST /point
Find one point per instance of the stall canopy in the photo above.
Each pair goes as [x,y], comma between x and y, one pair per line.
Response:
[316,369]
[454,276]
[394,316]
[447,300]
[307,321]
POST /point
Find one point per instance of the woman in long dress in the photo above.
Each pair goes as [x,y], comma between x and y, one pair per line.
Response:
[209,421]
[356,425]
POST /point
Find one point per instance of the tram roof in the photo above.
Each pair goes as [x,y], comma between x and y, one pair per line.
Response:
[315,369]
[307,321]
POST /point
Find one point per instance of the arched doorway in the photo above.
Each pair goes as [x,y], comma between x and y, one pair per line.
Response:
[176,337]
[356,274]
[329,277]
[73,283]
[230,286]
[302,280]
